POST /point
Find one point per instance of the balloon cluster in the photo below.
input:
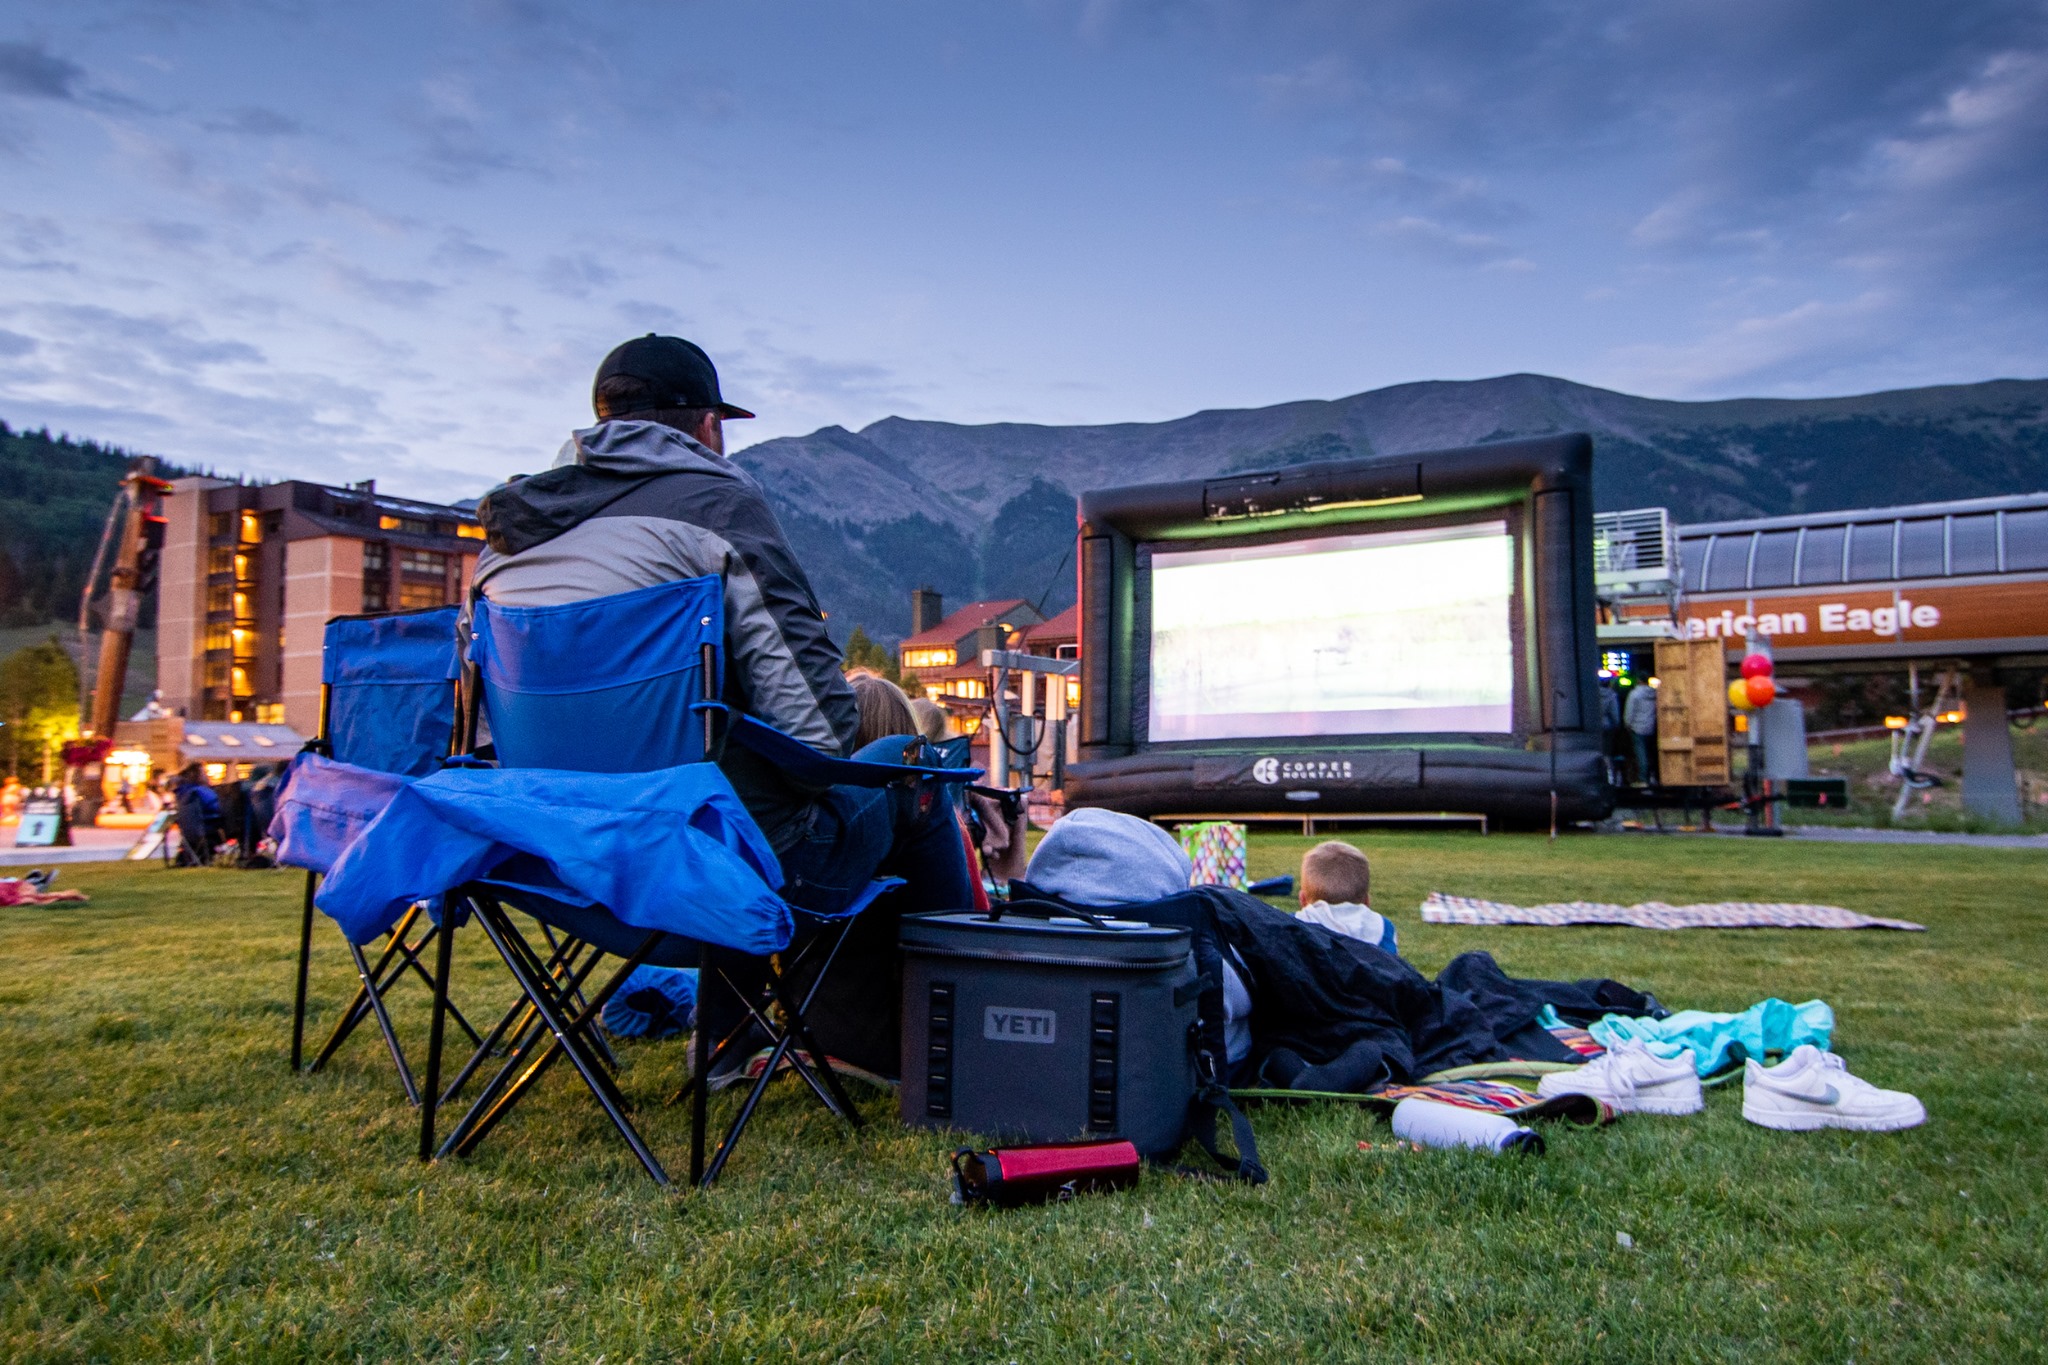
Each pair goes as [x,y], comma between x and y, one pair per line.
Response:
[1755,688]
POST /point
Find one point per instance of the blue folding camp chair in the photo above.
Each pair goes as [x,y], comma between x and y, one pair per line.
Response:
[619,684]
[388,703]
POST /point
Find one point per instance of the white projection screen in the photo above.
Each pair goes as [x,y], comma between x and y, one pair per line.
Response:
[1397,632]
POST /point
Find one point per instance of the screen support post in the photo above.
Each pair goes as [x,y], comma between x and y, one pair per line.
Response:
[1003,753]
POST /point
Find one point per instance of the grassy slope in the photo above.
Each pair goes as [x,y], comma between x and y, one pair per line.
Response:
[1872,790]
[168,1191]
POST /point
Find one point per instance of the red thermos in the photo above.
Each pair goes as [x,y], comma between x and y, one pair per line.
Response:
[1009,1176]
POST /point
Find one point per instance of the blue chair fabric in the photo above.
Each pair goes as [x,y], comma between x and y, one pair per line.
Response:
[391,690]
[388,715]
[627,684]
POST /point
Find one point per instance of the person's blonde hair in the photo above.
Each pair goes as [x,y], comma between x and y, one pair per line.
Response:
[884,710]
[1336,872]
[929,717]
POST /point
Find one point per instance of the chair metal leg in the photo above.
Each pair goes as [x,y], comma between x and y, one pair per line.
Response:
[802,1033]
[513,1024]
[444,953]
[530,1035]
[305,958]
[370,989]
[409,961]
[574,999]
[405,1081]
[583,1024]
[700,1071]
[500,931]
[746,1114]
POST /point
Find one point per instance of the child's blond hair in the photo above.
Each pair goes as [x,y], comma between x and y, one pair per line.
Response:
[1336,872]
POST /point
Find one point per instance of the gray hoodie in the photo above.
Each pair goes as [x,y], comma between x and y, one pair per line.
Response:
[632,504]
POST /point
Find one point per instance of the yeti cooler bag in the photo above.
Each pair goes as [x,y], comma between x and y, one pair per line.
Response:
[1035,1025]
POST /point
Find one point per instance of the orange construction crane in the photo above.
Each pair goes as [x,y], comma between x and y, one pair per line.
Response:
[138,510]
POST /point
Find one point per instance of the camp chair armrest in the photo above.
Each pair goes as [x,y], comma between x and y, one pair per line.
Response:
[806,766]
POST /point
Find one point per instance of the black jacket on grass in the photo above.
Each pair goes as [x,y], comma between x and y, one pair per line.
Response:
[634,504]
[1348,1007]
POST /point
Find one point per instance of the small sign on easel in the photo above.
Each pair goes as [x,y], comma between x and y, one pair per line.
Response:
[42,823]
[152,839]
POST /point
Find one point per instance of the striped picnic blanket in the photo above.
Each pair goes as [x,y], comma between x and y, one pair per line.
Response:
[1442,909]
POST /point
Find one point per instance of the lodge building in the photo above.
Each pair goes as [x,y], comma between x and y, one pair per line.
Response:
[251,573]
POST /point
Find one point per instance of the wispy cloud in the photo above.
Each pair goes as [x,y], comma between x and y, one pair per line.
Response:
[32,71]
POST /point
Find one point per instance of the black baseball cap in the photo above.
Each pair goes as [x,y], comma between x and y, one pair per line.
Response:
[677,373]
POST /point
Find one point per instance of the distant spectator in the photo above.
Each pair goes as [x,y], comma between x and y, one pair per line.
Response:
[929,717]
[1640,715]
[199,823]
[884,710]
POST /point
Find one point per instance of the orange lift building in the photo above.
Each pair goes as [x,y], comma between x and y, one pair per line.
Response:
[1958,585]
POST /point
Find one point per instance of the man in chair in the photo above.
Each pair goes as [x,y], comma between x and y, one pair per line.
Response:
[647,496]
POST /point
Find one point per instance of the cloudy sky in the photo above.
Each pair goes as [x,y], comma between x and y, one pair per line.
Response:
[393,239]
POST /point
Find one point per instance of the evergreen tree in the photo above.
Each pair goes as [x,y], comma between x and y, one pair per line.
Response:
[863,652]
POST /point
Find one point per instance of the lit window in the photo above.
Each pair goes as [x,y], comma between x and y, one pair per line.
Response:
[413,594]
[252,528]
[940,657]
[216,772]
[245,642]
[269,713]
[409,525]
[218,636]
[245,610]
[239,682]
[220,559]
[468,532]
[972,688]
[245,567]
[1073,694]
[423,562]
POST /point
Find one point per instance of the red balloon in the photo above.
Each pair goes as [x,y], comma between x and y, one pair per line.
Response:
[1762,691]
[1757,666]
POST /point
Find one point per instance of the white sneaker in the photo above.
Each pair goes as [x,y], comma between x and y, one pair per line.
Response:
[1632,1080]
[1813,1089]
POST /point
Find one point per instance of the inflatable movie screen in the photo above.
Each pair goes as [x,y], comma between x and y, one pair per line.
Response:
[1355,637]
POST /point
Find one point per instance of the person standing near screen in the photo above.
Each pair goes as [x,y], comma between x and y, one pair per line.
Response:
[1640,715]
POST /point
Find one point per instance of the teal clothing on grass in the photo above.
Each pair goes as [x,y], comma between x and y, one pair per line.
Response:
[1766,1027]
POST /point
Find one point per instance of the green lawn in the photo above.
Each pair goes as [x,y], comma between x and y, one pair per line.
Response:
[169,1192]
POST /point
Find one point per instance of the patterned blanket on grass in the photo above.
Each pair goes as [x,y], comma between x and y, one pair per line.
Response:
[1442,909]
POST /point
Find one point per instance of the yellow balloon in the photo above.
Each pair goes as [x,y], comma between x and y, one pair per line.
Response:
[1738,694]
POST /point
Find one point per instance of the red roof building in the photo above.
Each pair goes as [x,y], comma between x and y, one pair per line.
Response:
[1059,638]
[945,657]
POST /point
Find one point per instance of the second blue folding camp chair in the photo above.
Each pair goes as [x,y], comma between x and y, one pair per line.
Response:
[629,684]
[387,703]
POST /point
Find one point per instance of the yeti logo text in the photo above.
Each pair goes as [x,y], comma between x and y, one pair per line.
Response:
[1003,1024]
[1267,771]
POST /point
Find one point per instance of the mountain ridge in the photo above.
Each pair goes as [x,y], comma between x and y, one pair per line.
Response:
[986,510]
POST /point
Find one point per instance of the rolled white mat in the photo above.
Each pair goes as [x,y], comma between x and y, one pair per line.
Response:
[1429,1123]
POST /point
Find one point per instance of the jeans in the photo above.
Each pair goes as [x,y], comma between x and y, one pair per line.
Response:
[1646,752]
[857,834]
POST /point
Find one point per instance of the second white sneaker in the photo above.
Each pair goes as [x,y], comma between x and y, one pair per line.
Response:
[1631,1079]
[1813,1089]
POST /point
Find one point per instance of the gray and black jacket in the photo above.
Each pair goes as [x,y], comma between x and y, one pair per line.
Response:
[632,504]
